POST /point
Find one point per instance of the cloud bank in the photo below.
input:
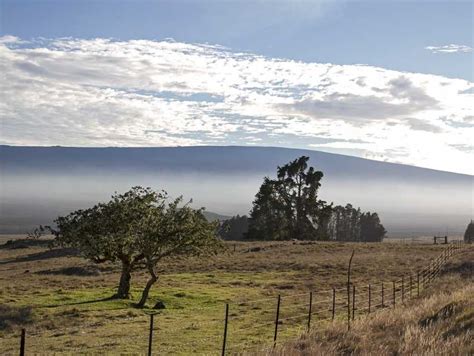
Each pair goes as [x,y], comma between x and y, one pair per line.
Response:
[102,92]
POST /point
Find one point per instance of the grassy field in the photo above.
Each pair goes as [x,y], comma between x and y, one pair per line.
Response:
[61,299]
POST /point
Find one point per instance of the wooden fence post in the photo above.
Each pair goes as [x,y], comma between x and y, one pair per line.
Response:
[150,337]
[277,320]
[418,284]
[225,328]
[333,303]
[353,300]
[383,306]
[393,284]
[22,342]
[370,298]
[310,309]
[403,290]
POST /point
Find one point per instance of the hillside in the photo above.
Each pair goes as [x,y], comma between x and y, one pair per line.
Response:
[37,183]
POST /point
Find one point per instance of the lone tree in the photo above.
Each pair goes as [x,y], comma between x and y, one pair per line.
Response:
[288,207]
[132,228]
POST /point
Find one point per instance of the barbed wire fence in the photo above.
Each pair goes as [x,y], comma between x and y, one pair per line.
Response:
[252,325]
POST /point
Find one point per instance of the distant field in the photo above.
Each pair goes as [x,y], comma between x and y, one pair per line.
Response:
[67,314]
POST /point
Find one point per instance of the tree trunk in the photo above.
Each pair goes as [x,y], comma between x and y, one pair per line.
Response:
[123,290]
[148,286]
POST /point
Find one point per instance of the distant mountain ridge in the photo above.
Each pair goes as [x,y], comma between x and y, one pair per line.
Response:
[196,158]
[37,183]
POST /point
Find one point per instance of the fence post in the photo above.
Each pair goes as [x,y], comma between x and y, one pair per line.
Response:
[370,298]
[333,303]
[418,284]
[276,320]
[411,285]
[309,309]
[150,337]
[353,300]
[22,342]
[403,290]
[393,284]
[225,328]
[383,306]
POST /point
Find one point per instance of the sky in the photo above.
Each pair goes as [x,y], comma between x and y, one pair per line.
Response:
[383,80]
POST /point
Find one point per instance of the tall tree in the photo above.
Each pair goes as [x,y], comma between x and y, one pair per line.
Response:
[371,229]
[288,207]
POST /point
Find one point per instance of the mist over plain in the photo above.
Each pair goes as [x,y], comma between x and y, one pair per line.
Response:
[39,183]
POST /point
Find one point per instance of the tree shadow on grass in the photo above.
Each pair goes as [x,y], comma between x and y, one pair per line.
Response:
[13,316]
[84,302]
[53,253]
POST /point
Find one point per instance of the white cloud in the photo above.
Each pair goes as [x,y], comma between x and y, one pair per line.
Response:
[99,92]
[450,48]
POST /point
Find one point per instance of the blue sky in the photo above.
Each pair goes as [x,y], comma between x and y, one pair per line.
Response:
[383,80]
[390,34]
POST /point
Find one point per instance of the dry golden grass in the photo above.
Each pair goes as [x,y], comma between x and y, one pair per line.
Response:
[441,324]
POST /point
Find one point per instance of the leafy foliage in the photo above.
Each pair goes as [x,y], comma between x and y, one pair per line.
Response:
[287,207]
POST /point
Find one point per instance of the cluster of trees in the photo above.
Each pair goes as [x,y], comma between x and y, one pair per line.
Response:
[288,208]
[350,224]
[137,229]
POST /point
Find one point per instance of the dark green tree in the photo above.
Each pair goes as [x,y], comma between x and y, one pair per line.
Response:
[371,229]
[288,207]
[235,228]
[469,234]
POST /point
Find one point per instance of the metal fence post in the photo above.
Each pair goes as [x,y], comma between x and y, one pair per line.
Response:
[383,306]
[403,290]
[22,342]
[309,309]
[333,303]
[150,337]
[353,300]
[277,317]
[225,328]
[418,284]
[370,298]
[393,284]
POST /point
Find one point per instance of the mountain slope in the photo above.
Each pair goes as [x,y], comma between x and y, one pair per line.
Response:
[37,183]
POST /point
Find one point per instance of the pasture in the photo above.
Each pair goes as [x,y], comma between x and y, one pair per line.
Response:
[62,299]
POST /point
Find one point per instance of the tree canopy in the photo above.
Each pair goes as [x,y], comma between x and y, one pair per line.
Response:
[137,229]
[288,207]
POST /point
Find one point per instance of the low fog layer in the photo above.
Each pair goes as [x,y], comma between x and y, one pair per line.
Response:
[37,184]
